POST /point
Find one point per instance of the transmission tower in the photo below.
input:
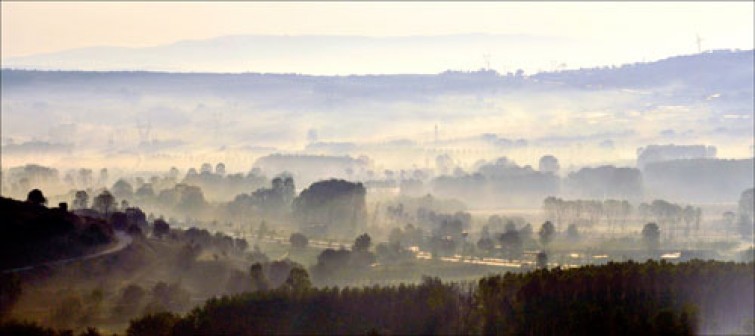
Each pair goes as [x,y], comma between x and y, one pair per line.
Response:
[486,58]
[699,41]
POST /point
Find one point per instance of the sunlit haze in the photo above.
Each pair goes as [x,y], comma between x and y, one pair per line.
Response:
[591,34]
[383,168]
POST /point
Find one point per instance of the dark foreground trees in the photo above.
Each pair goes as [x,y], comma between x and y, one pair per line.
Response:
[31,233]
[651,298]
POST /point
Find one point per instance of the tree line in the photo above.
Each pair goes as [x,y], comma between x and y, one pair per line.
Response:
[630,298]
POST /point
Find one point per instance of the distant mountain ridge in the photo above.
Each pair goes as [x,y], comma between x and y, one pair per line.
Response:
[719,70]
[287,54]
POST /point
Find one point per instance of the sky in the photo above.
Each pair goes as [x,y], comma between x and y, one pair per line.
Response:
[645,28]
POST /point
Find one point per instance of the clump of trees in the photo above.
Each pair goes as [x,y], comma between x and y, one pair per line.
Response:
[496,182]
[298,240]
[334,264]
[222,186]
[273,202]
[669,216]
[36,197]
[672,217]
[546,233]
[650,298]
[275,274]
[401,245]
[511,243]
[615,213]
[428,308]
[334,207]
[655,298]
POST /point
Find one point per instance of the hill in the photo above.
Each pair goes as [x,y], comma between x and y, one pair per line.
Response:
[31,234]
[717,71]
[312,54]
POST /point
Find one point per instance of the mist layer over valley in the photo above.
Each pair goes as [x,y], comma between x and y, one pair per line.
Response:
[472,202]
[151,121]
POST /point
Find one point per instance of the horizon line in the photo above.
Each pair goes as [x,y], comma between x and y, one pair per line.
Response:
[479,70]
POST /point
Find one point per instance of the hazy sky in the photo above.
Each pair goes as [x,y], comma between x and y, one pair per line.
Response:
[39,27]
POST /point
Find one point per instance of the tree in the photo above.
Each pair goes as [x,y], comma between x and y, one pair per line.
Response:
[160,228]
[36,197]
[259,280]
[158,324]
[330,261]
[572,232]
[278,271]
[667,214]
[510,226]
[542,260]
[220,168]
[485,244]
[362,243]
[526,232]
[122,189]
[546,233]
[511,244]
[337,206]
[548,164]
[391,253]
[241,244]
[145,192]
[104,203]
[298,280]
[206,168]
[651,236]
[688,215]
[298,240]
[81,200]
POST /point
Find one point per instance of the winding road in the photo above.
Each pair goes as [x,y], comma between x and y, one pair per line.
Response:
[123,240]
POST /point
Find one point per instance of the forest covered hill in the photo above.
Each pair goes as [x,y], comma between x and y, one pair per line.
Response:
[32,233]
